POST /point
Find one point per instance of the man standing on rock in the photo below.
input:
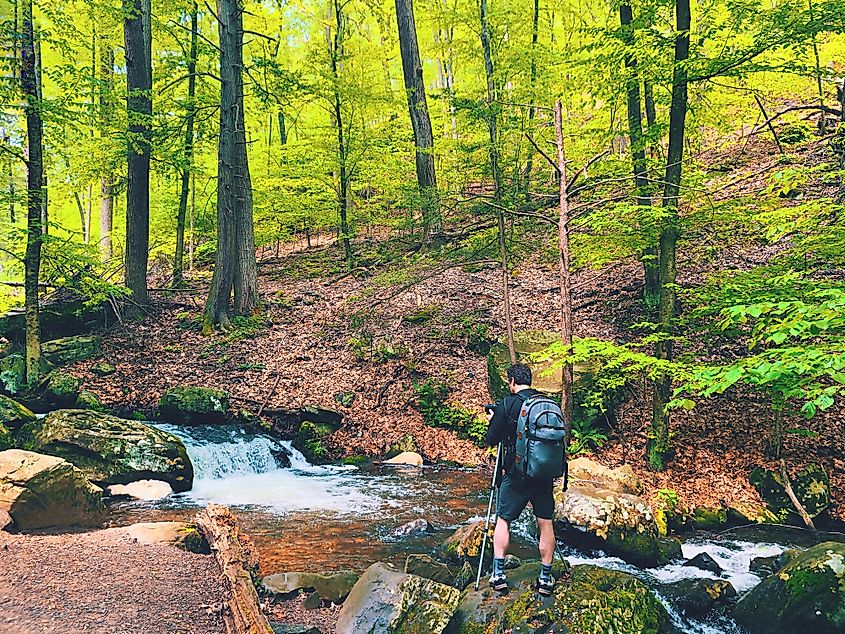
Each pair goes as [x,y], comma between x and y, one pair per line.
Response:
[515,490]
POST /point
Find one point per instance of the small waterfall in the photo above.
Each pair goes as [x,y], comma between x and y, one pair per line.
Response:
[218,452]
[240,469]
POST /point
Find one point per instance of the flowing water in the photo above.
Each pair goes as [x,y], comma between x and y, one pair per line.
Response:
[317,518]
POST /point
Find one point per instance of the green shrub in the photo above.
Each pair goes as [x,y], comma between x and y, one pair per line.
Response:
[431,400]
[584,437]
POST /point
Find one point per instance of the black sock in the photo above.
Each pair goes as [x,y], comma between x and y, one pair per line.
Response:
[545,571]
[498,565]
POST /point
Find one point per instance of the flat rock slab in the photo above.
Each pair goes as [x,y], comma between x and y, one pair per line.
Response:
[101,583]
[333,587]
[142,489]
[179,534]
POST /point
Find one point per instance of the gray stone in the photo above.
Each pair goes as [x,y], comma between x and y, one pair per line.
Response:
[39,491]
[414,528]
[331,586]
[428,568]
[703,561]
[391,602]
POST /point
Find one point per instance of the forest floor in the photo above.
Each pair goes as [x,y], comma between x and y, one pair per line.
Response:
[328,333]
[103,582]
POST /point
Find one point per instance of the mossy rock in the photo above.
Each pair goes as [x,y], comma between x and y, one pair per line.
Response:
[526,343]
[89,400]
[332,587]
[13,415]
[709,518]
[102,369]
[310,441]
[61,389]
[194,405]
[811,486]
[751,513]
[5,437]
[70,349]
[464,544]
[806,595]
[696,597]
[110,450]
[345,399]
[590,600]
[13,373]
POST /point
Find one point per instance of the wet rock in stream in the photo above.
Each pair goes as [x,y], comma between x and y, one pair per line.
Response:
[387,600]
[704,561]
[696,597]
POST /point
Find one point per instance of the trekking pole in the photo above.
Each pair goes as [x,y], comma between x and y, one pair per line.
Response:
[493,489]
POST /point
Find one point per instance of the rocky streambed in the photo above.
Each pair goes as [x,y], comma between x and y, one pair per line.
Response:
[397,546]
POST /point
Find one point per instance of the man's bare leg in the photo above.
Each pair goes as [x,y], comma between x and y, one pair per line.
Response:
[501,538]
[547,540]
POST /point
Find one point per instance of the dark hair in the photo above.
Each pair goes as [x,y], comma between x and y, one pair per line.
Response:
[520,373]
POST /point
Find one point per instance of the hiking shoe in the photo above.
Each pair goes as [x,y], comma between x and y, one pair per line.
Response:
[499,583]
[545,586]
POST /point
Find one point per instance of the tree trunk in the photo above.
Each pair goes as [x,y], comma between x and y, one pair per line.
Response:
[39,89]
[34,190]
[565,280]
[237,559]
[497,178]
[492,107]
[335,53]
[283,129]
[420,121]
[529,163]
[106,186]
[635,131]
[179,256]
[139,108]
[12,218]
[235,268]
[657,448]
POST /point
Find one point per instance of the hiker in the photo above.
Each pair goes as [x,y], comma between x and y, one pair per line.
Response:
[516,490]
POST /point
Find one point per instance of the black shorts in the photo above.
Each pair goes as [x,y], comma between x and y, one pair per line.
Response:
[516,492]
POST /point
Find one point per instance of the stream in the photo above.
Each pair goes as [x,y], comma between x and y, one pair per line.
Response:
[322,518]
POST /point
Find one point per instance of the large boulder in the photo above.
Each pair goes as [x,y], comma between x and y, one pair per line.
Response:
[13,415]
[39,491]
[811,486]
[61,389]
[386,601]
[111,450]
[591,600]
[194,406]
[70,349]
[429,568]
[621,479]
[331,587]
[546,376]
[806,595]
[617,523]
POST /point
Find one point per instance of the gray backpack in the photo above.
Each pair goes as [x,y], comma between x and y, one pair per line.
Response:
[541,434]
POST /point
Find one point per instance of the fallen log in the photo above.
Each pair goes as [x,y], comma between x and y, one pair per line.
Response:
[238,561]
